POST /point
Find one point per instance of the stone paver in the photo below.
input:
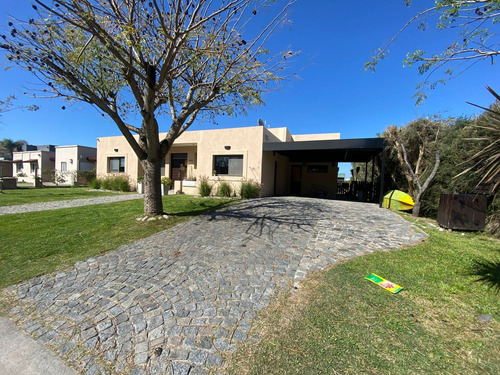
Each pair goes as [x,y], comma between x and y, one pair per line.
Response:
[176,301]
[45,206]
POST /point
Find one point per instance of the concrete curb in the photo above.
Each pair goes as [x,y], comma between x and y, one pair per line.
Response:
[21,355]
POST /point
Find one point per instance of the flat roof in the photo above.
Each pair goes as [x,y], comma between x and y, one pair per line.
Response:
[335,150]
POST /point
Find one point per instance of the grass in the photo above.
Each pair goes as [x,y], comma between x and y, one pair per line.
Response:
[339,323]
[37,243]
[23,195]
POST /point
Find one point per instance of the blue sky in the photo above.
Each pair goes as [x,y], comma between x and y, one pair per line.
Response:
[332,93]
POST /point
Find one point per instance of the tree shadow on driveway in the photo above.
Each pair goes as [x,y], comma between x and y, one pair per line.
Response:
[265,216]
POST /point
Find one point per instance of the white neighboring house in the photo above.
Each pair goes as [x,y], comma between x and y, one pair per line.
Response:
[70,160]
[35,161]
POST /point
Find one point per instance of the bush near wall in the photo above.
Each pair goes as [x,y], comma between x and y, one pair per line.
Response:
[224,189]
[204,187]
[116,183]
[88,176]
[250,189]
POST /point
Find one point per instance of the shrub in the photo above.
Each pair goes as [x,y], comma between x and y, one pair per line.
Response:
[224,189]
[250,189]
[116,183]
[205,187]
[122,184]
[88,176]
[106,183]
[166,181]
[96,183]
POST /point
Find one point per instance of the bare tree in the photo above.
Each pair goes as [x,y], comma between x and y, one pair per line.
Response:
[144,59]
[476,39]
[414,145]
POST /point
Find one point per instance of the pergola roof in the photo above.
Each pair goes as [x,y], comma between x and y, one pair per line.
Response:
[338,150]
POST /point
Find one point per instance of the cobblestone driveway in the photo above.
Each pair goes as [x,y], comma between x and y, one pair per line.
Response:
[174,302]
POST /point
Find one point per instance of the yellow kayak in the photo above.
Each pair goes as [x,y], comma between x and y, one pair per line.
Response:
[398,200]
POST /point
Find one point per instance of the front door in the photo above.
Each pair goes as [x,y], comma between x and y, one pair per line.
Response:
[178,166]
[296,182]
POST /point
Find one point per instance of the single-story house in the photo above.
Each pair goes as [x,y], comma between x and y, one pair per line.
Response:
[284,164]
[35,161]
[71,159]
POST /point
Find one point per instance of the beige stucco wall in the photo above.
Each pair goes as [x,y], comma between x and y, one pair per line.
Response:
[66,154]
[75,158]
[269,161]
[315,137]
[204,143]
[277,135]
[118,146]
[45,163]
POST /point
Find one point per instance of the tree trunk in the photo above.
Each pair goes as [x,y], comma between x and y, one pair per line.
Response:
[153,204]
[416,208]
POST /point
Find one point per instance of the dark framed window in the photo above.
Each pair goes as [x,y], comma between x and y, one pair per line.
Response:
[317,168]
[116,165]
[229,165]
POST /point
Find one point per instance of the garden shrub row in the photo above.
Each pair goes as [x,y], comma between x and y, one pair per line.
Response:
[116,183]
[248,189]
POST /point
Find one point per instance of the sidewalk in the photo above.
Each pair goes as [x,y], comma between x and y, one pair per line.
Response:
[55,205]
[21,355]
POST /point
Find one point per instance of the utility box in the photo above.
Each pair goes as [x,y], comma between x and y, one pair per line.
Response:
[462,211]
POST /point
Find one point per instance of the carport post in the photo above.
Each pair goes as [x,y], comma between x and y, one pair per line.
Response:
[382,174]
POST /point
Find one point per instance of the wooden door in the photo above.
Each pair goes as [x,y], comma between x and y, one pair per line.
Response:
[178,166]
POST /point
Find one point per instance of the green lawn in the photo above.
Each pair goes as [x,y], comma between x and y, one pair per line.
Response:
[23,195]
[36,243]
[340,323]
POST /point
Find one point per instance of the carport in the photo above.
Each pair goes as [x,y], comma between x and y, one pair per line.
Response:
[359,150]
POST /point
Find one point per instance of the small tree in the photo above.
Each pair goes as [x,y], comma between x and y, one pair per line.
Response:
[415,144]
[145,59]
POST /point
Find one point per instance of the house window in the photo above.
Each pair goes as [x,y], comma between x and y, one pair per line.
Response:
[116,165]
[64,167]
[33,167]
[19,167]
[230,165]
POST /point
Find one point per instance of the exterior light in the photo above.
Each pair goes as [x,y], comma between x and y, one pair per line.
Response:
[227,147]
[116,150]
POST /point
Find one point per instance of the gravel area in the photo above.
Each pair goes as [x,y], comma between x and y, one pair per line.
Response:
[45,206]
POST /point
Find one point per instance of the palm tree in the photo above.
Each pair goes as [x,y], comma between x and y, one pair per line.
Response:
[8,146]
[486,162]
